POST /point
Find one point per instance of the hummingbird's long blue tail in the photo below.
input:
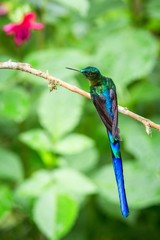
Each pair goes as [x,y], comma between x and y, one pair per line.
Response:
[118,170]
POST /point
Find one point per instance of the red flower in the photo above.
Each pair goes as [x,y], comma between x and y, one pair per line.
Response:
[22,31]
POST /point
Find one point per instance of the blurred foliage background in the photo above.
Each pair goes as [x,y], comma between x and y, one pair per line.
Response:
[56,175]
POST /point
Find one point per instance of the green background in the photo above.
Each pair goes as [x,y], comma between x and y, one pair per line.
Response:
[56,175]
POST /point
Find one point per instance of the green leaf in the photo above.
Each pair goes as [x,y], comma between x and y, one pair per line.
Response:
[142,185]
[137,93]
[54,12]
[73,143]
[97,9]
[152,9]
[6,79]
[65,179]
[10,166]
[7,76]
[82,7]
[59,112]
[44,213]
[139,144]
[6,200]
[37,139]
[74,182]
[54,213]
[35,185]
[76,148]
[127,55]
[15,104]
[78,160]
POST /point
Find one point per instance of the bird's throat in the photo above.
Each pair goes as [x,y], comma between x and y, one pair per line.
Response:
[95,83]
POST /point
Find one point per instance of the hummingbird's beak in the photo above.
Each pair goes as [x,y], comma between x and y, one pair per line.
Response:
[74,69]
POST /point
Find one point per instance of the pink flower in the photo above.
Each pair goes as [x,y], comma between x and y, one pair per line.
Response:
[22,31]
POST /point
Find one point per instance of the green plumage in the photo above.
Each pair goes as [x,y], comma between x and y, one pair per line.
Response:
[105,83]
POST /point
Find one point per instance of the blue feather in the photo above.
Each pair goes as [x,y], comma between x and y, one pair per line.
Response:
[118,170]
[106,95]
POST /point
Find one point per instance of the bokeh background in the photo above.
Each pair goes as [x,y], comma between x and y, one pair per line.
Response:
[56,175]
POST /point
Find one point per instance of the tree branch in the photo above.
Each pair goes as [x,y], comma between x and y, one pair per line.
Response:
[53,82]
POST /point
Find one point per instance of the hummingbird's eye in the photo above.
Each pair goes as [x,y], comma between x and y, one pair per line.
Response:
[91,74]
[94,74]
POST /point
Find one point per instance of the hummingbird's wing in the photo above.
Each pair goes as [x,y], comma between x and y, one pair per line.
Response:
[99,102]
[111,123]
[115,129]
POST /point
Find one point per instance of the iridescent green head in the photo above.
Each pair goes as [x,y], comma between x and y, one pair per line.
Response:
[92,73]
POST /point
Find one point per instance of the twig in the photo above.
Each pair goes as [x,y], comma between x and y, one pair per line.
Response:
[53,82]
[145,121]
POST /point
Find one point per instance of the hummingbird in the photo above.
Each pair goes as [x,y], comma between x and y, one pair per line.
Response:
[104,97]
